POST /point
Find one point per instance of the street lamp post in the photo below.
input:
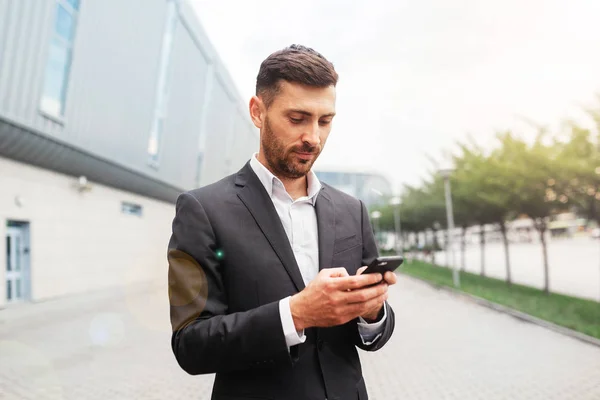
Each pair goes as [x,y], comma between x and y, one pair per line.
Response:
[395,202]
[445,173]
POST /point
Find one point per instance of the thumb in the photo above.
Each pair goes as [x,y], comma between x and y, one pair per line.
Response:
[361,270]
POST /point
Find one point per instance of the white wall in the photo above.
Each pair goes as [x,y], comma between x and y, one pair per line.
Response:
[81,242]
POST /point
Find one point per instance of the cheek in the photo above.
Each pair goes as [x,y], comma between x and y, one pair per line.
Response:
[285,133]
[292,137]
[324,135]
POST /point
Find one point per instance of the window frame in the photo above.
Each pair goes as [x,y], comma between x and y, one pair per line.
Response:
[133,209]
[163,83]
[56,39]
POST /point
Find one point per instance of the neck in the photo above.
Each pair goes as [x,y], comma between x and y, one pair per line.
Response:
[296,187]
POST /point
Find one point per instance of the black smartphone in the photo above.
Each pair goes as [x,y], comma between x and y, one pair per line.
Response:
[384,264]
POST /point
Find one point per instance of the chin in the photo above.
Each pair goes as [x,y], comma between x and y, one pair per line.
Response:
[300,170]
[304,165]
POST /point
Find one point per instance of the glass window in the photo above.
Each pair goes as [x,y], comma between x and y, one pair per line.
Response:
[57,71]
[8,259]
[58,64]
[18,289]
[345,178]
[65,23]
[162,87]
[18,253]
[131,209]
[326,177]
[8,289]
[74,4]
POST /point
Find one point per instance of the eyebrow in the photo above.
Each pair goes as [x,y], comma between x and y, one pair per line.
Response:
[308,114]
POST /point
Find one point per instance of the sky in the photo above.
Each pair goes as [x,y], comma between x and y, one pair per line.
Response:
[417,76]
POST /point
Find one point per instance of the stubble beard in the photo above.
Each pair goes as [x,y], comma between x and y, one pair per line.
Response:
[281,161]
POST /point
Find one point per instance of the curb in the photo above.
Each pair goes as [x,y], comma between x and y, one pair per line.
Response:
[512,312]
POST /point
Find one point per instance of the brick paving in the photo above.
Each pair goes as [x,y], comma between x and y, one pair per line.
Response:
[115,345]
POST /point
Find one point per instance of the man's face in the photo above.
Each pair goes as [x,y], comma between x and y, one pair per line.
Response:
[295,127]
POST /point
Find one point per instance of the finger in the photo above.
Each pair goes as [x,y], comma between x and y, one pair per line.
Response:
[375,303]
[361,270]
[335,272]
[358,281]
[365,295]
[356,309]
[390,278]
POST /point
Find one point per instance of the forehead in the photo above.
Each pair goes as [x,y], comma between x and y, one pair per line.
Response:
[295,96]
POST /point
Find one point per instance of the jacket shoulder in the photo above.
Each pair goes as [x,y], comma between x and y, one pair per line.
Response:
[214,191]
[340,197]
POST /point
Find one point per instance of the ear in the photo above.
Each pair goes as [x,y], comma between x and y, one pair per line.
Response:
[257,111]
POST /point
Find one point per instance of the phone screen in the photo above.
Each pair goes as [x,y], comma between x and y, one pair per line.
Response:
[383,264]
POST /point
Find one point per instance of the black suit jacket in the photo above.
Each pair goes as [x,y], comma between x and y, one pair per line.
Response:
[230,262]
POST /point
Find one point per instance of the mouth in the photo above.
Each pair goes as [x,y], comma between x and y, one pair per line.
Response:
[304,156]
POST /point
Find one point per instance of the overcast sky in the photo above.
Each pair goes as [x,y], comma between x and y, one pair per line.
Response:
[415,76]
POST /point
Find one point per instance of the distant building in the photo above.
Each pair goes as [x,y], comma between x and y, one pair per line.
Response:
[370,187]
[567,225]
[108,110]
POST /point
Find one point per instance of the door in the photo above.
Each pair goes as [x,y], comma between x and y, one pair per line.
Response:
[17,282]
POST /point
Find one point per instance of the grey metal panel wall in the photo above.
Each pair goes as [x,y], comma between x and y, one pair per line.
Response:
[25,27]
[27,146]
[112,87]
[243,143]
[238,138]
[219,125]
[110,101]
[179,147]
[228,124]
[110,96]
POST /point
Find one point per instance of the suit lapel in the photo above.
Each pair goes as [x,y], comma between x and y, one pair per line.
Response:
[326,228]
[254,196]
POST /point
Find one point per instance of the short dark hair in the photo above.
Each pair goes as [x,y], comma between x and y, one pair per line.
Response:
[294,64]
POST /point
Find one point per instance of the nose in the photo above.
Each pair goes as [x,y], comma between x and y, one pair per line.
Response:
[312,136]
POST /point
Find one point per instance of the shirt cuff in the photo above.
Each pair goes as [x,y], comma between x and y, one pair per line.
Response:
[292,336]
[369,333]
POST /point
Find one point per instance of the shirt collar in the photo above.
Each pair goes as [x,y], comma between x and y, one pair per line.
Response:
[267,179]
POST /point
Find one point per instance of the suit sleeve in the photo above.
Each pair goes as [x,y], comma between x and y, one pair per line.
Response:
[207,338]
[370,253]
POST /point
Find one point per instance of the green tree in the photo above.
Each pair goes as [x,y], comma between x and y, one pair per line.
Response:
[579,162]
[421,210]
[482,192]
[534,170]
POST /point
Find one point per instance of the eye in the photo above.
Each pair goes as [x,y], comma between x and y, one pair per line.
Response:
[296,120]
[325,122]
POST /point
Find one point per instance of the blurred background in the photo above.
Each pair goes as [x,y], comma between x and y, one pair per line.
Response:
[471,129]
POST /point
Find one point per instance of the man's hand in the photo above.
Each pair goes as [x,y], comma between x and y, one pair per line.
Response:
[372,315]
[334,298]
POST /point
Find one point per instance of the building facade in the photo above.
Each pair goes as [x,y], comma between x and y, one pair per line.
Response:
[108,110]
[370,187]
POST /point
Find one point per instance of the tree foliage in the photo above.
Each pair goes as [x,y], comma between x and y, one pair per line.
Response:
[537,179]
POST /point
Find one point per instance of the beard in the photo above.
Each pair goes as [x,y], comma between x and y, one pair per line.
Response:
[281,160]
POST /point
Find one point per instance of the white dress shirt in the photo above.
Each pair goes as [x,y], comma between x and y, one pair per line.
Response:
[299,220]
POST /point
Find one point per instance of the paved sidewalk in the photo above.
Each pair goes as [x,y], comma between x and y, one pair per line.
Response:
[115,345]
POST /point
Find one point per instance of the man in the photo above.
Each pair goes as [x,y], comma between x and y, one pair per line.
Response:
[265,265]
